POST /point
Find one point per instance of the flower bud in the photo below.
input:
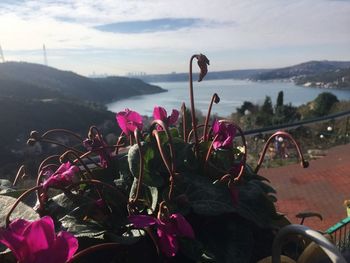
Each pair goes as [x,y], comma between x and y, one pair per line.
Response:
[31,142]
[35,135]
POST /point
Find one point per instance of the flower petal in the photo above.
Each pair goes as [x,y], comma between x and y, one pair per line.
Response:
[141,221]
[63,167]
[184,229]
[14,241]
[135,118]
[64,248]
[173,117]
[216,127]
[40,235]
[122,121]
[159,113]
[167,242]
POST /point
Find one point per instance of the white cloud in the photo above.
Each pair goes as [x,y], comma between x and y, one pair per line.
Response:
[253,24]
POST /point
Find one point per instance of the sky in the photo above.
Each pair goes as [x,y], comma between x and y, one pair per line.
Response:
[118,37]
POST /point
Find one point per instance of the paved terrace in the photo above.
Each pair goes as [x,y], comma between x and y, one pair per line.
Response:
[322,188]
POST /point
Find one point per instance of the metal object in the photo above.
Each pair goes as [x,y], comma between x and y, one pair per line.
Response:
[332,251]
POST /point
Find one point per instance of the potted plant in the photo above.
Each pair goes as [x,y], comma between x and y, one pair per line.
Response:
[166,194]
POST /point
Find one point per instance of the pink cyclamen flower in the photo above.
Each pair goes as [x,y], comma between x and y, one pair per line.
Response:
[224,133]
[167,231]
[129,120]
[37,242]
[63,176]
[100,147]
[159,113]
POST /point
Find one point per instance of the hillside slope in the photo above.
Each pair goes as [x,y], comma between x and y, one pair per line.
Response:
[303,69]
[21,76]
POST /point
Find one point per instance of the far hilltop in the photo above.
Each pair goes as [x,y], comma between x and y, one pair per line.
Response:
[329,74]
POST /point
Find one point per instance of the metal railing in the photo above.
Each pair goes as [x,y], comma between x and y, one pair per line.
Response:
[340,233]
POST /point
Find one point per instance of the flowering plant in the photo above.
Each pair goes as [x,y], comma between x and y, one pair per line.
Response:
[170,193]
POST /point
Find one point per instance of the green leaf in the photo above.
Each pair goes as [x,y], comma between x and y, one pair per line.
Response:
[152,164]
[81,228]
[229,239]
[191,248]
[125,240]
[255,205]
[148,196]
[205,197]
[174,132]
[22,210]
[12,192]
[5,184]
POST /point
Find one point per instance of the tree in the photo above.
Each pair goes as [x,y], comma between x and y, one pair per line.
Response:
[265,114]
[247,105]
[267,106]
[279,101]
[323,103]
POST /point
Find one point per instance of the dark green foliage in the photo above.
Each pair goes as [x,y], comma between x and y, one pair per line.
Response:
[279,101]
[264,116]
[247,105]
[323,103]
[285,114]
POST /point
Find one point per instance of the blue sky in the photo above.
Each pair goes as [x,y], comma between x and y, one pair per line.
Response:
[116,37]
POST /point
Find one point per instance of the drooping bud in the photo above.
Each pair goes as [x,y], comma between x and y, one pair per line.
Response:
[203,63]
[31,142]
[35,135]
[216,98]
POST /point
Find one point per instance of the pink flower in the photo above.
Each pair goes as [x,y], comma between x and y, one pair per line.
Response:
[167,231]
[37,242]
[100,147]
[159,113]
[224,133]
[129,120]
[63,176]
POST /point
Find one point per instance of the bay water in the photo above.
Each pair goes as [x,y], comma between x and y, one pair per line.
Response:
[232,94]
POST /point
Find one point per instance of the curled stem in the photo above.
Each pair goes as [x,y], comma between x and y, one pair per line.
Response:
[244,159]
[38,180]
[184,128]
[52,157]
[141,169]
[170,164]
[60,144]
[101,184]
[193,113]
[106,246]
[94,130]
[18,200]
[303,163]
[87,169]
[192,132]
[215,98]
[75,135]
[20,173]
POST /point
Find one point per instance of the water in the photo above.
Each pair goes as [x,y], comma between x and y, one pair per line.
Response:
[232,94]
